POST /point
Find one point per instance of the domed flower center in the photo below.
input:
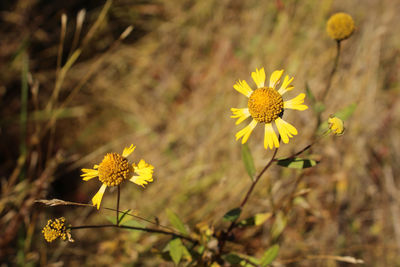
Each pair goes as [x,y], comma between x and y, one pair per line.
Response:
[114,169]
[265,104]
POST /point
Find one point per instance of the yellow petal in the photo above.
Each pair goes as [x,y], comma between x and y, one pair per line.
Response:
[89,174]
[240,113]
[296,103]
[275,78]
[246,131]
[270,138]
[96,200]
[145,173]
[285,130]
[243,87]
[128,150]
[286,85]
[259,77]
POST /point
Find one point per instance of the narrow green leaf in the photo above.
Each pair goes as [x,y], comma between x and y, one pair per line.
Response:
[310,95]
[233,259]
[279,225]
[270,255]
[176,249]
[232,215]
[248,161]
[297,163]
[176,222]
[346,112]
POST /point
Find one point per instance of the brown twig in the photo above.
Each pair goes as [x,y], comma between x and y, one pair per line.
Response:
[149,230]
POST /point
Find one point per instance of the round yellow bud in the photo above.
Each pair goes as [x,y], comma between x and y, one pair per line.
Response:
[340,26]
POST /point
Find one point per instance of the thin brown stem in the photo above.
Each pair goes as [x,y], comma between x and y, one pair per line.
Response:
[244,201]
[329,83]
[333,71]
[144,229]
[118,196]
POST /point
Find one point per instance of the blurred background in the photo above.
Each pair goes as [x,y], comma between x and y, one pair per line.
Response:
[71,92]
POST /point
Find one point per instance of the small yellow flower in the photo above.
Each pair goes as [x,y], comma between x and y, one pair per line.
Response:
[340,26]
[56,229]
[114,169]
[266,105]
[336,125]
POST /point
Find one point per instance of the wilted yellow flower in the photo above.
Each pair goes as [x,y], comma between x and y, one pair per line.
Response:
[340,26]
[114,169]
[336,125]
[266,105]
[56,229]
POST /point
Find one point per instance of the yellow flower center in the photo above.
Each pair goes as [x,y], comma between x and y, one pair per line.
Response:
[54,229]
[340,26]
[265,104]
[114,169]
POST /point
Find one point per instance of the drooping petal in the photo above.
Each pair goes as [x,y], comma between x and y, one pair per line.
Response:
[145,173]
[270,138]
[296,103]
[285,87]
[243,88]
[275,78]
[96,200]
[89,174]
[240,113]
[285,129]
[259,77]
[128,150]
[246,131]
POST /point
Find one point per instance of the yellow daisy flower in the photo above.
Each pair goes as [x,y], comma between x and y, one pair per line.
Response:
[115,168]
[266,105]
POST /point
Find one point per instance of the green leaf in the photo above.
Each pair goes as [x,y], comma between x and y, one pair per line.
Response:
[176,249]
[257,219]
[248,161]
[176,222]
[310,94]
[346,112]
[233,259]
[297,163]
[270,255]
[232,215]
[279,225]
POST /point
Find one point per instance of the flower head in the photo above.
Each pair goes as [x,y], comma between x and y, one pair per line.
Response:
[266,105]
[56,229]
[336,125]
[114,169]
[340,26]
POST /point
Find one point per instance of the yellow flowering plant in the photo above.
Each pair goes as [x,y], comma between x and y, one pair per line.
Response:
[267,104]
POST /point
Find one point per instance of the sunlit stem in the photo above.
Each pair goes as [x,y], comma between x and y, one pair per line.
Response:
[118,196]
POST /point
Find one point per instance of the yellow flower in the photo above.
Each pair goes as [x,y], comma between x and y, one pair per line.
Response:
[340,26]
[114,169]
[336,125]
[266,105]
[56,229]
